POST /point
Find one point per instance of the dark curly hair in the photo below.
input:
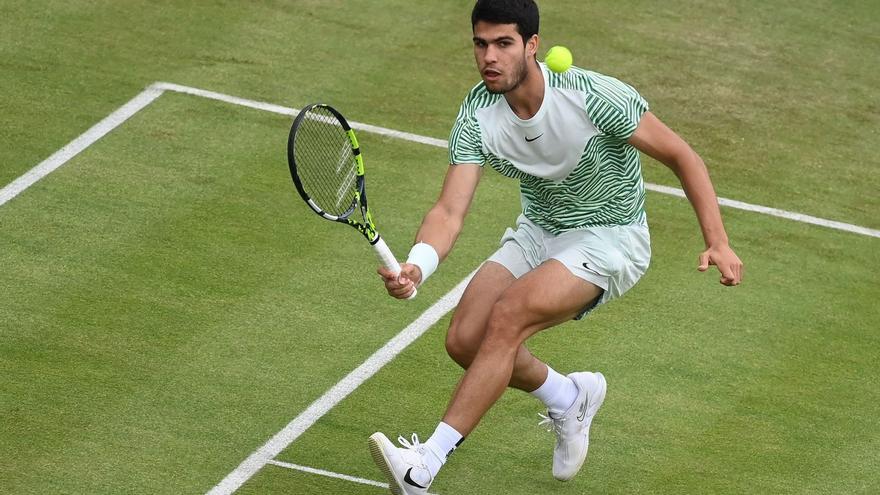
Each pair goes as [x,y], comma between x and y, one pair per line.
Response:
[523,13]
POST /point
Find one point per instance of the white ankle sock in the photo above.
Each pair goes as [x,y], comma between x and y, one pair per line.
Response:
[558,392]
[442,443]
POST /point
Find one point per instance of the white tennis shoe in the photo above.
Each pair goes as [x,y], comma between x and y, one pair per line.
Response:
[573,427]
[404,466]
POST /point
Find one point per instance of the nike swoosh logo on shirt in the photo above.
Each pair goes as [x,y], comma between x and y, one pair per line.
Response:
[530,140]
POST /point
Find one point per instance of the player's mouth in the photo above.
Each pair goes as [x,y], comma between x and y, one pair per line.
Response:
[491,75]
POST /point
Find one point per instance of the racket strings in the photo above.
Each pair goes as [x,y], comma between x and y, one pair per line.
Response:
[325,162]
[330,137]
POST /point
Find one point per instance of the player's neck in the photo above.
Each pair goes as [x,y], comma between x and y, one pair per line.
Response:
[526,99]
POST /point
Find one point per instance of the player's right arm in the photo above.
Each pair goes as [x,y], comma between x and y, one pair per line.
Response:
[440,227]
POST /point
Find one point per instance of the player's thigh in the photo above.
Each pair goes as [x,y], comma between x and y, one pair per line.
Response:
[472,314]
[544,297]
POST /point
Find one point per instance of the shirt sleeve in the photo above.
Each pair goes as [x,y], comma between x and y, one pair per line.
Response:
[465,145]
[615,107]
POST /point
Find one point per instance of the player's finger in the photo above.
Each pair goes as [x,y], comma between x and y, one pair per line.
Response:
[403,291]
[395,290]
[737,267]
[386,273]
[397,279]
[409,291]
[396,282]
[411,272]
[728,276]
[704,262]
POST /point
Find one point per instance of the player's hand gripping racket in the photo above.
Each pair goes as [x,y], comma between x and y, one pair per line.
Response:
[328,171]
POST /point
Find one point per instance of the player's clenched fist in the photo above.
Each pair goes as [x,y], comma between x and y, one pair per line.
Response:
[401,286]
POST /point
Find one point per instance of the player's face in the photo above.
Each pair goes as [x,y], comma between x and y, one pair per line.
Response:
[502,58]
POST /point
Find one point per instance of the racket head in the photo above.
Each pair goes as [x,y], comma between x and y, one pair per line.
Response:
[325,163]
[327,169]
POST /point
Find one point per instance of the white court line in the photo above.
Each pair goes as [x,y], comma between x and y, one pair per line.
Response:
[773,212]
[330,474]
[76,146]
[347,385]
[269,107]
[296,427]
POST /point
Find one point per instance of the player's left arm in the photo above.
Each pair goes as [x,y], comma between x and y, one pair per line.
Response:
[658,141]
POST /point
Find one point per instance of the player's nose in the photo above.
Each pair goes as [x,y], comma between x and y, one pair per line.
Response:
[490,55]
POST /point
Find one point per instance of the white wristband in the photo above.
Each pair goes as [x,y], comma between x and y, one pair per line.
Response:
[425,257]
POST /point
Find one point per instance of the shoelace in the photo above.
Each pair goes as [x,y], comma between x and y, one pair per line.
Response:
[553,424]
[414,445]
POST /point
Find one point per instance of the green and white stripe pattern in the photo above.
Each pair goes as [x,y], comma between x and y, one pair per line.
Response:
[604,188]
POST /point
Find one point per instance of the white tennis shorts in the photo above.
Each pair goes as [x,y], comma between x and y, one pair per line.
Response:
[613,258]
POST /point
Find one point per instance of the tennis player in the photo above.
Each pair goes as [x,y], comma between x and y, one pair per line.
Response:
[573,141]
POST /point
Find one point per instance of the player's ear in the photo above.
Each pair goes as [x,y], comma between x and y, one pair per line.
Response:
[532,46]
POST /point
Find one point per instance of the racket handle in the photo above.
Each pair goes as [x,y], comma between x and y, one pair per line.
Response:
[388,260]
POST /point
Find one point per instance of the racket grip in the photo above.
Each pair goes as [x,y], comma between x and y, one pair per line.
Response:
[388,260]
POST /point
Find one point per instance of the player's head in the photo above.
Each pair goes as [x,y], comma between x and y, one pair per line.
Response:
[505,41]
[522,13]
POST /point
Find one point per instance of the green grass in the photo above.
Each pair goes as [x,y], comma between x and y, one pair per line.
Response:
[165,294]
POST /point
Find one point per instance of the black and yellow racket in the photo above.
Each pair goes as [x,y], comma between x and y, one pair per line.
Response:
[328,171]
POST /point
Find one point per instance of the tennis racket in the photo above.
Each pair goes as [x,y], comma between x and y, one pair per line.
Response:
[328,171]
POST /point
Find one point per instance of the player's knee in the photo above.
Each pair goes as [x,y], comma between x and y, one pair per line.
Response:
[460,347]
[459,353]
[505,324]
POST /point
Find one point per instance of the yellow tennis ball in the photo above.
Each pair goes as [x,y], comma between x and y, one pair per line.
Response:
[558,59]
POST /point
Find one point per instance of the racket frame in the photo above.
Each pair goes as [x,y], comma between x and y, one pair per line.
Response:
[367,228]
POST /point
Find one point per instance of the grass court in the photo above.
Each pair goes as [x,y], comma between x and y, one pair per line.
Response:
[169,303]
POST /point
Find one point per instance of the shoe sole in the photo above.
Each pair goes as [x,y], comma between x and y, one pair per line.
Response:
[382,462]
